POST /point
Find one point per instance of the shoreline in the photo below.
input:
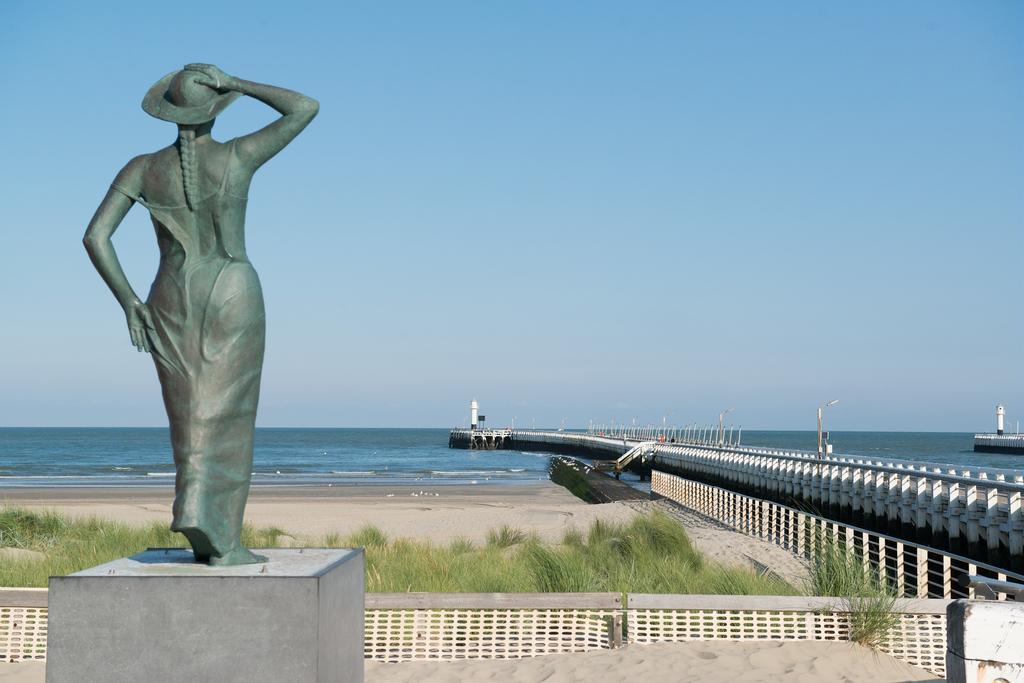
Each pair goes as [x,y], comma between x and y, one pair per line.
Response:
[284,491]
[166,484]
[423,511]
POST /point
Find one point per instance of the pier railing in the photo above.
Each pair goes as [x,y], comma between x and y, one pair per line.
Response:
[403,627]
[479,439]
[914,570]
[972,512]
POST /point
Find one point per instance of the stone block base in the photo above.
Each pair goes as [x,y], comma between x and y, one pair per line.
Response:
[159,616]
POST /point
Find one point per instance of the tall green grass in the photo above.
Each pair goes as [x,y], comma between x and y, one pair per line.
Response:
[650,554]
[871,600]
[72,544]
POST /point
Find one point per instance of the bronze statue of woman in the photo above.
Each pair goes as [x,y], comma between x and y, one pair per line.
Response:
[203,321]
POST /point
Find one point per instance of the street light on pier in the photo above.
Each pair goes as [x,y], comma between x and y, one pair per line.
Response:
[721,425]
[821,410]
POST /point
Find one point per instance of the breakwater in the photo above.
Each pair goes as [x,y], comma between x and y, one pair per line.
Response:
[589,484]
[971,512]
[999,443]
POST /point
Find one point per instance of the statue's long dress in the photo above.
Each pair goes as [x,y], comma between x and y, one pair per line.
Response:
[207,307]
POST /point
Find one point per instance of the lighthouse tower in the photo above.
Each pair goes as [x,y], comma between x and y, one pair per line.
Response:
[1000,417]
[474,411]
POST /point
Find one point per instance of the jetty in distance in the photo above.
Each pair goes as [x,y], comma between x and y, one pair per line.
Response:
[1000,442]
[934,529]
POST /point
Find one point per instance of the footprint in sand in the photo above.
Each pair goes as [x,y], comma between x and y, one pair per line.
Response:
[707,655]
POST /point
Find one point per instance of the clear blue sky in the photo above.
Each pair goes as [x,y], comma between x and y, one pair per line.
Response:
[567,210]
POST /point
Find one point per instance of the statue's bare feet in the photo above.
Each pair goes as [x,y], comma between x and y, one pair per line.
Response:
[206,553]
[200,542]
[239,555]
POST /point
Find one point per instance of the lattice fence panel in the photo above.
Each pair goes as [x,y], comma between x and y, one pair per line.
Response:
[22,634]
[406,635]
[670,626]
[918,639]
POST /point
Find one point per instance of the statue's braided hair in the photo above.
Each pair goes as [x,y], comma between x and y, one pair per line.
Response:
[189,166]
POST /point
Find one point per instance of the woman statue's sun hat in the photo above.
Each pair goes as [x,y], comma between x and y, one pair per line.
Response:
[178,98]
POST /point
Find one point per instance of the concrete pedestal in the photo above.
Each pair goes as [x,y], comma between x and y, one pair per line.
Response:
[158,616]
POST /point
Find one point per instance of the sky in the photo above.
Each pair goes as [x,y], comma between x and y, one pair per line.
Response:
[568,211]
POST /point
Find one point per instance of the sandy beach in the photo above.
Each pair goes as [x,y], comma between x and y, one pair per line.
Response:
[696,662]
[434,513]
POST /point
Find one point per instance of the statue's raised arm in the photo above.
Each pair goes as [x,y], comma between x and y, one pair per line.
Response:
[296,110]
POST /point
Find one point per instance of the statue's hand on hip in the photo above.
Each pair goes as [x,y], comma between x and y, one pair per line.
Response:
[139,323]
[212,77]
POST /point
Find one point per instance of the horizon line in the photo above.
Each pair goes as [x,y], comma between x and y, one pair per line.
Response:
[748,429]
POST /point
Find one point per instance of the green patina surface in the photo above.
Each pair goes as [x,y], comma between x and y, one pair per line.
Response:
[203,321]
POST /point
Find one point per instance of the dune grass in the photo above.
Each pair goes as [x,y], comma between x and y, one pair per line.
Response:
[73,544]
[650,554]
[871,600]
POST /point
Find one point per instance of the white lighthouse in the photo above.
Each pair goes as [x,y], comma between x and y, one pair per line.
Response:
[1000,417]
[474,410]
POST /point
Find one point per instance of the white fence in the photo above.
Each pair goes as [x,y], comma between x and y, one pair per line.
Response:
[415,626]
[22,624]
[915,570]
[451,626]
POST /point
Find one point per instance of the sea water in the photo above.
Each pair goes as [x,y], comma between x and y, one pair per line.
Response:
[318,457]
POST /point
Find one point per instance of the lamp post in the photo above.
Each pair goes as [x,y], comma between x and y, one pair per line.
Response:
[721,425]
[821,410]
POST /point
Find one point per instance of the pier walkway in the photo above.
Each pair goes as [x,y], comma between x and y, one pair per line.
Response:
[927,523]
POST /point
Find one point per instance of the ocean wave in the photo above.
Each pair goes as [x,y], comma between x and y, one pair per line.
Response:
[160,474]
[470,473]
[52,476]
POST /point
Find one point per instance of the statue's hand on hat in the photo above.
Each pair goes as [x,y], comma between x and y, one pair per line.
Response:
[212,77]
